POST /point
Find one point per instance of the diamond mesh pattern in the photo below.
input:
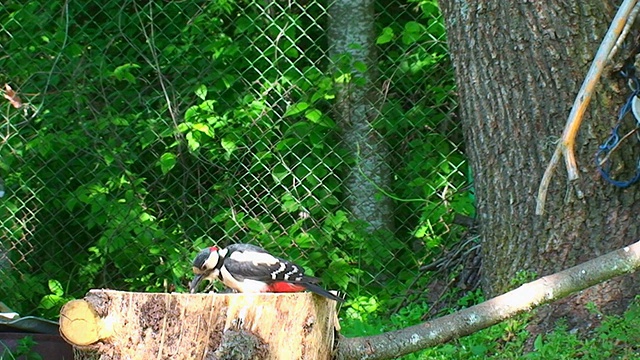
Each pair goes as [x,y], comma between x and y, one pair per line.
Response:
[147,130]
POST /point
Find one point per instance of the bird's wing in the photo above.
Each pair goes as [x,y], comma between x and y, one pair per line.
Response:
[256,264]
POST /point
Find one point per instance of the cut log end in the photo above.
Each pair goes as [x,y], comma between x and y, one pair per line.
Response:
[80,324]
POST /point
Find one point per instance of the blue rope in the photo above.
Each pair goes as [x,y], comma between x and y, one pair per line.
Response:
[604,166]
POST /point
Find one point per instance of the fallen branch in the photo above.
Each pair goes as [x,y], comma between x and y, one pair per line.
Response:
[525,298]
[566,146]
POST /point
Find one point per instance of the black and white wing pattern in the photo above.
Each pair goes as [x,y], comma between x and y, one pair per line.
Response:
[247,261]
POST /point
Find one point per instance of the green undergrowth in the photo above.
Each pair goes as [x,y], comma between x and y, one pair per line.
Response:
[23,350]
[618,337]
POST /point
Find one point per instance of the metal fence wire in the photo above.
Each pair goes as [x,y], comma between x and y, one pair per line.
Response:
[135,133]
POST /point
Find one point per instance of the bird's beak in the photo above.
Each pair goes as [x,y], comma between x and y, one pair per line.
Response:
[193,286]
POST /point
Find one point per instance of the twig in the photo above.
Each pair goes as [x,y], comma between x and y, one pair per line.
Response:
[630,20]
[57,58]
[625,137]
[566,145]
[440,265]
[150,37]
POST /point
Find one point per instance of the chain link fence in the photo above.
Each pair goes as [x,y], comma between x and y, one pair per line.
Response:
[135,133]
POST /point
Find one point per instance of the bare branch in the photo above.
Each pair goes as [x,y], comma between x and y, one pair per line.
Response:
[525,298]
[566,145]
[625,32]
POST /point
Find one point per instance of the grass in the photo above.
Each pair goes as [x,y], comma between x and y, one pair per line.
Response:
[618,337]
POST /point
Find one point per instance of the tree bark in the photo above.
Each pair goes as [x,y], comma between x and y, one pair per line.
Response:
[352,46]
[109,324]
[518,69]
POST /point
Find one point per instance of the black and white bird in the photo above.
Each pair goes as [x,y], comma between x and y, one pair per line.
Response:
[250,269]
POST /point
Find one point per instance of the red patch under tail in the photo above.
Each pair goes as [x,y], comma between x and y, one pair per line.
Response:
[284,287]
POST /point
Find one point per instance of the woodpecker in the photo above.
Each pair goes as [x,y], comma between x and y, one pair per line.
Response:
[250,269]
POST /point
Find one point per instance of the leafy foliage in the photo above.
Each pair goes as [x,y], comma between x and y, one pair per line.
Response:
[156,129]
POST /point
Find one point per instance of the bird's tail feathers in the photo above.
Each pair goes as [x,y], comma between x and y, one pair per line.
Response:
[322,292]
[309,279]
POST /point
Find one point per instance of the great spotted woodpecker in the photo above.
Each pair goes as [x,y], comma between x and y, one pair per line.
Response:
[250,269]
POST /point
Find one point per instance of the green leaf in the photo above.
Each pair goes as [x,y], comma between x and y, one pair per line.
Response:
[243,24]
[413,27]
[108,159]
[412,32]
[191,113]
[55,287]
[385,37]
[305,241]
[292,52]
[289,204]
[296,108]
[339,270]
[228,145]
[207,105]
[336,220]
[360,66]
[279,173]
[316,139]
[257,226]
[285,145]
[203,128]
[201,92]
[155,250]
[343,78]
[327,122]
[479,350]
[192,141]
[146,217]
[167,162]
[119,121]
[123,72]
[537,343]
[313,115]
[51,301]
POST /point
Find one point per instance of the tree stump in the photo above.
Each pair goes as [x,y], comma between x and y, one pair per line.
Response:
[110,324]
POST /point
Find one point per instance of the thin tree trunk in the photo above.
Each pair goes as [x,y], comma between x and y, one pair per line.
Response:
[352,45]
[518,68]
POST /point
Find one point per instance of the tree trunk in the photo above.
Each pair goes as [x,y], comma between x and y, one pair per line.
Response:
[519,67]
[352,45]
[111,324]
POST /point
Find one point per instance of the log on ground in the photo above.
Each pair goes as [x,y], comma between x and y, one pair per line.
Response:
[110,324]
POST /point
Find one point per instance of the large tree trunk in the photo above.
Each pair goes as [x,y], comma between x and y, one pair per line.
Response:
[519,66]
[352,43]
